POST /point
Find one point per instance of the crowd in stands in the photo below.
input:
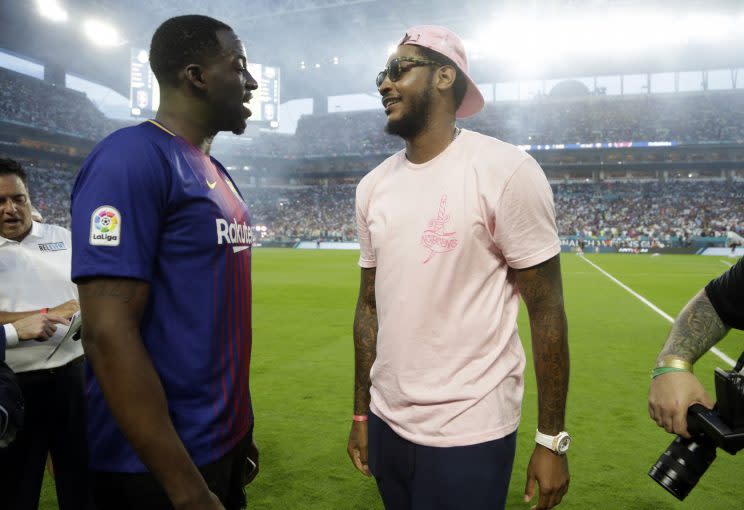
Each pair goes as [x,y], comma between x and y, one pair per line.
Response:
[50,186]
[36,103]
[661,214]
[716,116]
[308,213]
[705,118]
[658,213]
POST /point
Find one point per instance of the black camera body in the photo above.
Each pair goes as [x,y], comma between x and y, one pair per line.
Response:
[685,460]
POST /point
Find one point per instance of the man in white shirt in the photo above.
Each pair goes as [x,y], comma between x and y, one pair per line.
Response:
[37,299]
[452,231]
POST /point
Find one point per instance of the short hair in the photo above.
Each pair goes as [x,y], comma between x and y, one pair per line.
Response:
[461,85]
[181,41]
[12,167]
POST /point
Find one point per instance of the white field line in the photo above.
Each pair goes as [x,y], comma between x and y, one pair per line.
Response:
[725,263]
[653,307]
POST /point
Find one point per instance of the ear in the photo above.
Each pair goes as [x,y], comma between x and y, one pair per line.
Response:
[446,76]
[194,74]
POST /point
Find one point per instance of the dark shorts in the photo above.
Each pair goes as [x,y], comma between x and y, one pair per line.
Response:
[141,491]
[415,477]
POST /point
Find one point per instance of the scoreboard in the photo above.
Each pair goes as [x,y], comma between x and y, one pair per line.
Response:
[265,103]
[144,92]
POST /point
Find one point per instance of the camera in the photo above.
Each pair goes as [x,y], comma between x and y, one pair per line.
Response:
[685,460]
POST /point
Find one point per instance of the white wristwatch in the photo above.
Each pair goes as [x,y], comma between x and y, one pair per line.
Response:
[558,443]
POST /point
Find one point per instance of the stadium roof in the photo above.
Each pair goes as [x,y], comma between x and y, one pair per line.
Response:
[358,34]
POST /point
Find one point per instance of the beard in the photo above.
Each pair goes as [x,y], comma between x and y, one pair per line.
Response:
[227,116]
[239,130]
[415,120]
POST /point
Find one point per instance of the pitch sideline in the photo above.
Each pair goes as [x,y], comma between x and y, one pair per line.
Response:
[653,307]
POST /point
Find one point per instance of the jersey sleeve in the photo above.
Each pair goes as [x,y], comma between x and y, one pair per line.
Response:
[524,219]
[117,206]
[367,257]
[726,294]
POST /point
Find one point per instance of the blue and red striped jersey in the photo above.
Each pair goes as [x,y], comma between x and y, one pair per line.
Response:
[150,206]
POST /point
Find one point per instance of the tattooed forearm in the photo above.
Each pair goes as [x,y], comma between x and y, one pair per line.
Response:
[365,340]
[542,291]
[695,331]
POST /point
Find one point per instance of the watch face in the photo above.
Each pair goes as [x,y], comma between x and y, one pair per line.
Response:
[563,443]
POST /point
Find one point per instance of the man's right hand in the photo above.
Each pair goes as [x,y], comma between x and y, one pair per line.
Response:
[39,326]
[670,396]
[66,309]
[357,447]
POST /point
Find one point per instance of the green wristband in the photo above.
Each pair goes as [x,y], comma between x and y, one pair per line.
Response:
[656,372]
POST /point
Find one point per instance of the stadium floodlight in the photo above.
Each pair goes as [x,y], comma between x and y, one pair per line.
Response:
[52,10]
[101,33]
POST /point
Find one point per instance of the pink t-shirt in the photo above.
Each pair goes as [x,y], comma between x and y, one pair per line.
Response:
[445,237]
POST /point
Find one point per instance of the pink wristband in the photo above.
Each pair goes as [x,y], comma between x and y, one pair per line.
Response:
[359,417]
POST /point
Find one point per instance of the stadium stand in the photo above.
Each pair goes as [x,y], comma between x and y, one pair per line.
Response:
[671,213]
[35,103]
[686,118]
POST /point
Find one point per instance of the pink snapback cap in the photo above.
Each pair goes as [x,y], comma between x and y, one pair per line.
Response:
[447,43]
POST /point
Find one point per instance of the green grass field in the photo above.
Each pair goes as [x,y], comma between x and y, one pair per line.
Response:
[302,378]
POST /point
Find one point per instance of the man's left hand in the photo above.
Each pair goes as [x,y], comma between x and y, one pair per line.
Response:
[550,471]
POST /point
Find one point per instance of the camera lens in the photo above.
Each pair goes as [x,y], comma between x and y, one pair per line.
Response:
[682,464]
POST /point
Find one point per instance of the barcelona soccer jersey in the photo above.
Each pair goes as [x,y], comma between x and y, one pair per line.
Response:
[148,205]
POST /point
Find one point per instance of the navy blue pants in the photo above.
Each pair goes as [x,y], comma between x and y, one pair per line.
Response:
[54,423]
[415,477]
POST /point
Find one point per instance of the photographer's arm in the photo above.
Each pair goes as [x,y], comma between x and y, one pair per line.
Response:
[695,331]
[697,328]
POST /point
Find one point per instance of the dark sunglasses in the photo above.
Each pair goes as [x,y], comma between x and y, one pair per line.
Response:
[394,69]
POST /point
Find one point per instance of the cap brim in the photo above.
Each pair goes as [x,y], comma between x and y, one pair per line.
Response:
[473,101]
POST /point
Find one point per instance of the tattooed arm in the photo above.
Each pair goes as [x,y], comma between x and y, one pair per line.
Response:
[365,350]
[112,309]
[694,332]
[541,288]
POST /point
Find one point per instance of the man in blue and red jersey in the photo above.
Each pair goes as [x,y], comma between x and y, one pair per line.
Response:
[162,257]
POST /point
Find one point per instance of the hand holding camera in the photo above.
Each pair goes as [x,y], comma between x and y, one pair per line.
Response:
[685,460]
[669,397]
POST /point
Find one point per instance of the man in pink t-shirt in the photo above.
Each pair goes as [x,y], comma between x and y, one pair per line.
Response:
[453,230]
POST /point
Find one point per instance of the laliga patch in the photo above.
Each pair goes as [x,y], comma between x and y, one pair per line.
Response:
[105,226]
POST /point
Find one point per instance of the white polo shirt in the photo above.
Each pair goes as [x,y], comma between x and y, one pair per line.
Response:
[35,274]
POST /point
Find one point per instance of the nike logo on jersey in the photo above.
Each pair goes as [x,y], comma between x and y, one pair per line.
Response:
[239,235]
[211,184]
